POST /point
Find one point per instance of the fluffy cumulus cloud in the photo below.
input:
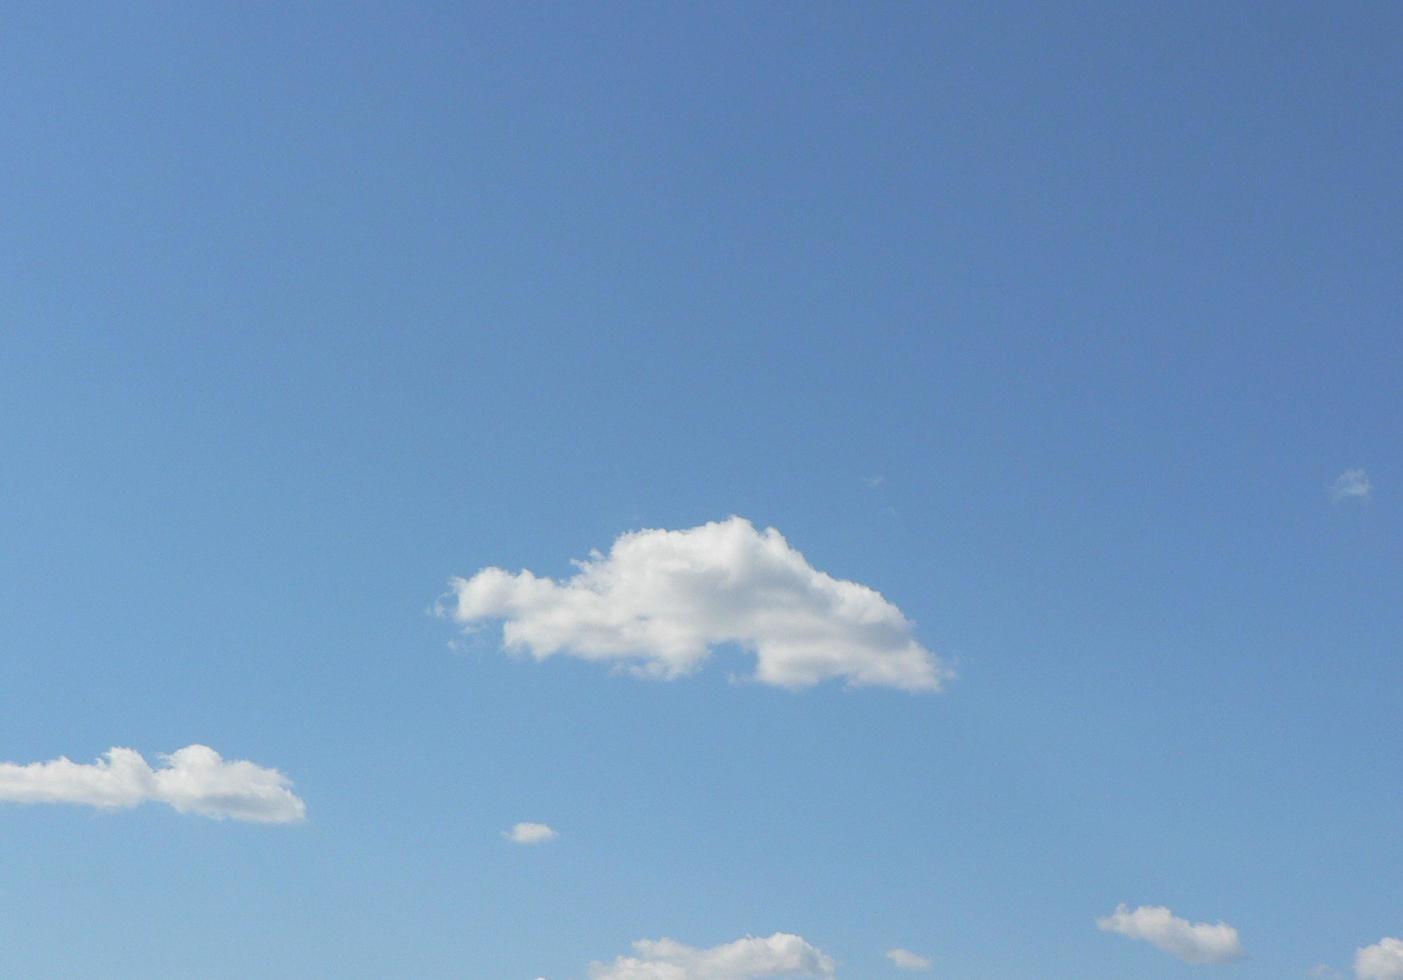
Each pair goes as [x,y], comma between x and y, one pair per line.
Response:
[195,779]
[780,955]
[660,601]
[530,833]
[1197,942]
[1351,485]
[1381,961]
[904,959]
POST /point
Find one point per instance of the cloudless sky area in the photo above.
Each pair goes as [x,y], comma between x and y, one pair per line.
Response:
[1054,324]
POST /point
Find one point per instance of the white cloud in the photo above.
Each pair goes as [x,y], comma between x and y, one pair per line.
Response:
[1381,961]
[530,833]
[1198,942]
[780,955]
[907,960]
[1351,485]
[661,600]
[194,779]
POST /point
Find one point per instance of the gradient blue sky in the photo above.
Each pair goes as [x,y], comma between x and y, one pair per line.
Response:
[304,311]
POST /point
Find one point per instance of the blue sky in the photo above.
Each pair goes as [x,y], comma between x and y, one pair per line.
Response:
[1053,327]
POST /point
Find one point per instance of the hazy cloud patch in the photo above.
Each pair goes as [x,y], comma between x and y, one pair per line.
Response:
[530,833]
[904,959]
[1351,485]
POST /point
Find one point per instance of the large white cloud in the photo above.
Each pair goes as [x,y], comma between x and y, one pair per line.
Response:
[195,779]
[1381,961]
[661,600]
[780,955]
[1197,942]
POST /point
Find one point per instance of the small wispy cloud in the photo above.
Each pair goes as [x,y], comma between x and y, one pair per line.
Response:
[1351,485]
[1198,942]
[530,833]
[780,955]
[195,779]
[1381,961]
[873,482]
[904,959]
